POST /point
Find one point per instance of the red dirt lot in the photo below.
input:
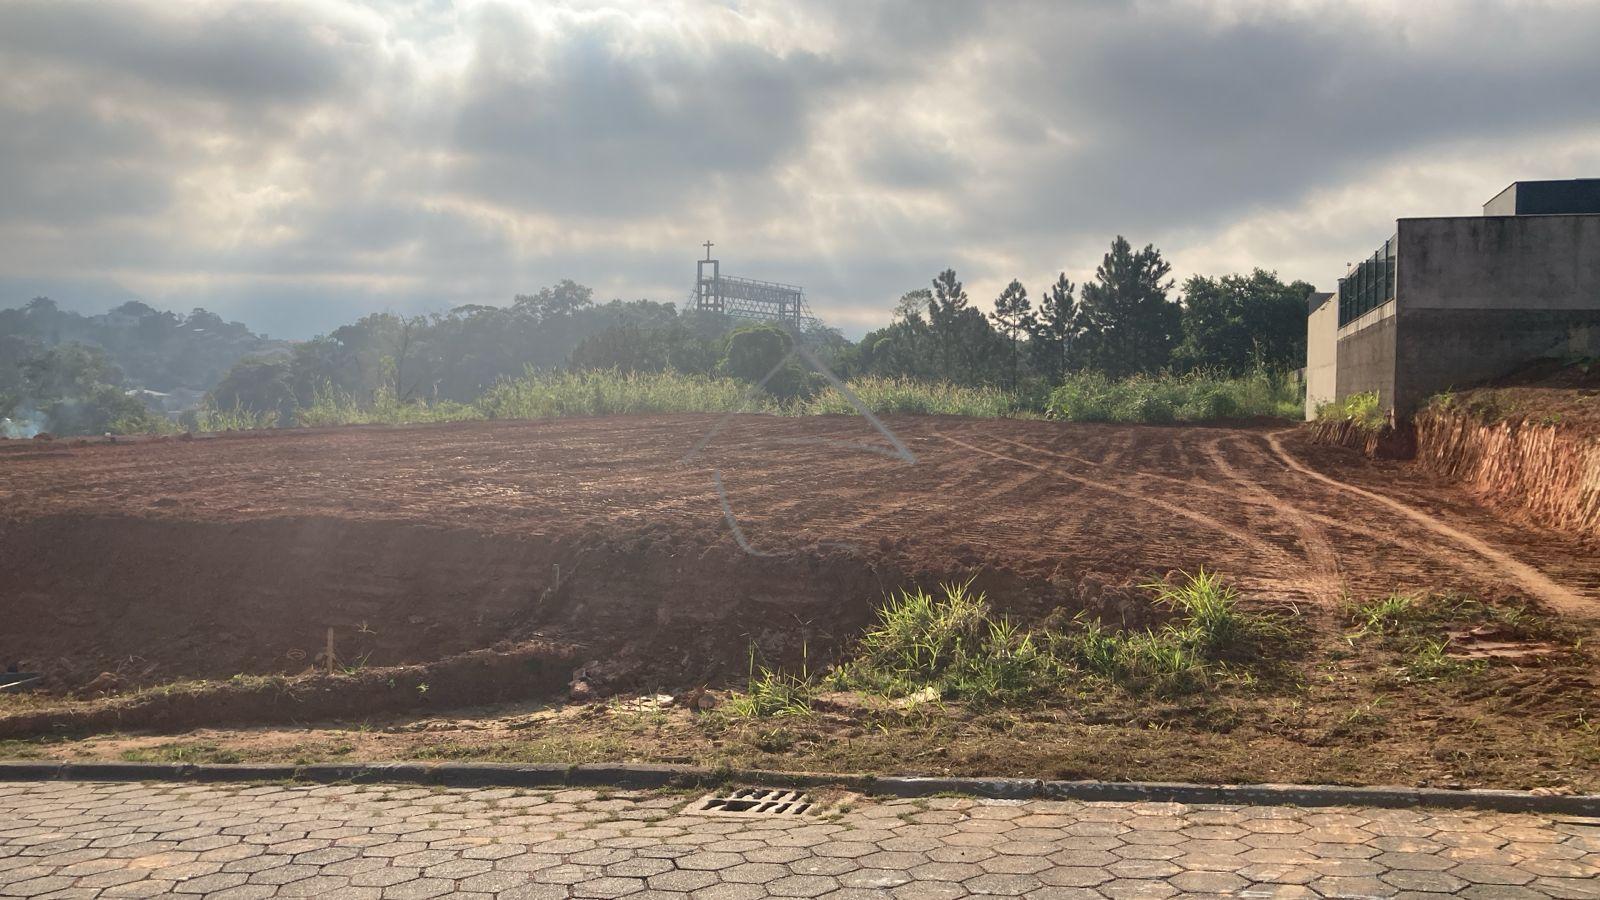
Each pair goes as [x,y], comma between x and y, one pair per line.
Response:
[160,559]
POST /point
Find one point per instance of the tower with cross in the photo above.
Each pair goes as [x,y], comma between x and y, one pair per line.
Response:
[747,298]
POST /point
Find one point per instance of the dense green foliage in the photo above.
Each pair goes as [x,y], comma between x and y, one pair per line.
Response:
[1237,323]
[537,395]
[1157,399]
[1122,323]
[155,350]
[1118,348]
[72,374]
[69,388]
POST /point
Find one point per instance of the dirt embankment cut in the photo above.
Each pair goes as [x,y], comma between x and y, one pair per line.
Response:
[1543,473]
[1529,446]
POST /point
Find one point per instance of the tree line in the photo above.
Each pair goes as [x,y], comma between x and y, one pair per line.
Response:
[1128,319]
[122,370]
[1125,321]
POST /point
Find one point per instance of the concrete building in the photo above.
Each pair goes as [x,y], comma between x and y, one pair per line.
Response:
[1322,342]
[1453,301]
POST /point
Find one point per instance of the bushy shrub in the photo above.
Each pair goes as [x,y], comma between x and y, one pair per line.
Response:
[1159,399]
[545,395]
[886,396]
[333,407]
[1363,410]
[949,644]
[1212,404]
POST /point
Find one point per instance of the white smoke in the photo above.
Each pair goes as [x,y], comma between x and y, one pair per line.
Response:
[24,422]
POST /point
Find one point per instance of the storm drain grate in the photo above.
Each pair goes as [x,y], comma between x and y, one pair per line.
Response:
[756,802]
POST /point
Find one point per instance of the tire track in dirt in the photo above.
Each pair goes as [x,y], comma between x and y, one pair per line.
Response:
[1532,580]
[1118,464]
[1327,580]
[1243,538]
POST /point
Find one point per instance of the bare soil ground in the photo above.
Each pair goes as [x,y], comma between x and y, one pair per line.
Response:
[485,562]
[1548,392]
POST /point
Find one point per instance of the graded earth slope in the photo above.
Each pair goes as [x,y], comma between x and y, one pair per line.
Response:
[157,559]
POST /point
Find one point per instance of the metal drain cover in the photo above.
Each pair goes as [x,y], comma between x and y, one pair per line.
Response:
[763,802]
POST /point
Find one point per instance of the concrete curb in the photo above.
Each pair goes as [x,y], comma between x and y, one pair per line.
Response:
[642,777]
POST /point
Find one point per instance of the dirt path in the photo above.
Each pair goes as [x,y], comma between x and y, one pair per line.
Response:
[1531,580]
[236,554]
[1325,574]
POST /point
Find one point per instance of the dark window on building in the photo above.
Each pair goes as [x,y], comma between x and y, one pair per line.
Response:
[1369,285]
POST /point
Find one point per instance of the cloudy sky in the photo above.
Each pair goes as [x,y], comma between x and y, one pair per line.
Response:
[296,164]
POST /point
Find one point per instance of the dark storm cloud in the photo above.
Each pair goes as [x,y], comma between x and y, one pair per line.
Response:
[296,163]
[249,52]
[60,166]
[1178,116]
[592,123]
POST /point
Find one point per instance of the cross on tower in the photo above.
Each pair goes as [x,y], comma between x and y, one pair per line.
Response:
[708,245]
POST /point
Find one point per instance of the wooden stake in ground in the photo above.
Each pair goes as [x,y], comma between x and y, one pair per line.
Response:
[330,650]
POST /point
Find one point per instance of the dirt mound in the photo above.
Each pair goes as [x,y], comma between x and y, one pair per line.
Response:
[1529,446]
[162,560]
[169,600]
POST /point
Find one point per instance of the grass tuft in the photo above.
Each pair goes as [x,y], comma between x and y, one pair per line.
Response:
[1383,614]
[1416,629]
[949,645]
[770,694]
[1361,410]
[1211,606]
[210,418]
[1429,661]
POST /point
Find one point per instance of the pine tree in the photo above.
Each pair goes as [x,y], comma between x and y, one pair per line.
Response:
[1012,313]
[945,315]
[1054,329]
[1130,325]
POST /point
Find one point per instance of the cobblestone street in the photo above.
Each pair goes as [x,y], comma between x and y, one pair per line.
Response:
[65,839]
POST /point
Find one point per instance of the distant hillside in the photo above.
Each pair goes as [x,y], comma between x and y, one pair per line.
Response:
[155,350]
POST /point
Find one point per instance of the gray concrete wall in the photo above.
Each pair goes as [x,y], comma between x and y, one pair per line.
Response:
[1322,352]
[1478,298]
[1366,355]
[1499,262]
[1445,349]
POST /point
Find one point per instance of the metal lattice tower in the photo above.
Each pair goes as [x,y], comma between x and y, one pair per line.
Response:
[747,298]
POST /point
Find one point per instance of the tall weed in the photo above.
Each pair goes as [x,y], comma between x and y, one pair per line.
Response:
[902,395]
[548,395]
[1164,398]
